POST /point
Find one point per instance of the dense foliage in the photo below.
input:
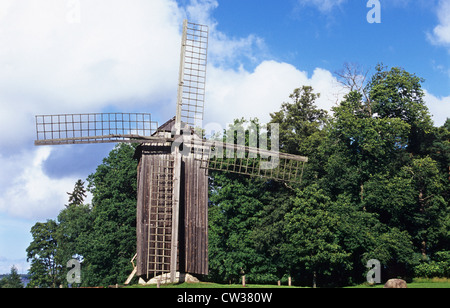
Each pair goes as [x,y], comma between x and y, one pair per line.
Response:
[377,186]
[102,235]
[11,281]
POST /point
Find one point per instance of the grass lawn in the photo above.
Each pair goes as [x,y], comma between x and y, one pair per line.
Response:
[435,283]
[208,285]
[413,285]
[418,283]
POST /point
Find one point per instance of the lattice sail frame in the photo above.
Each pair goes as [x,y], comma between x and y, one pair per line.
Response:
[245,160]
[94,128]
[192,75]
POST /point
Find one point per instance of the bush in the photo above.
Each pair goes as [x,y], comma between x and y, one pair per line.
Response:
[439,267]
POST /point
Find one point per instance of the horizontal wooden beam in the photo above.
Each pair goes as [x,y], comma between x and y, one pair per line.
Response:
[104,139]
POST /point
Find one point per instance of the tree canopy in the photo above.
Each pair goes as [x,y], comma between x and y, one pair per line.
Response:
[376,187]
[101,235]
[11,281]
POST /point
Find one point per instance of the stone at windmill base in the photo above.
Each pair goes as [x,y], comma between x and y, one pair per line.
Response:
[396,284]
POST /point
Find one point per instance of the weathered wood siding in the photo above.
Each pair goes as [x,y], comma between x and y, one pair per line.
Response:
[154,211]
[194,213]
[154,214]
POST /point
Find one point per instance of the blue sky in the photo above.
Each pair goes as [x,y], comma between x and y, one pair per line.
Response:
[78,56]
[308,38]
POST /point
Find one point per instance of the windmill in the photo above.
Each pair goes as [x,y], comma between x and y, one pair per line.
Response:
[172,194]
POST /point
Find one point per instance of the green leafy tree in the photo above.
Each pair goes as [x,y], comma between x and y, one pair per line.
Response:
[395,251]
[74,223]
[269,236]
[299,120]
[438,266]
[233,213]
[412,201]
[78,195]
[108,248]
[396,93]
[358,232]
[312,230]
[11,281]
[431,208]
[45,269]
[363,146]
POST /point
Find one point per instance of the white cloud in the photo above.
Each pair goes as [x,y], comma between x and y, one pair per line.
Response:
[441,33]
[108,53]
[31,193]
[324,6]
[199,11]
[439,107]
[119,51]
[224,50]
[234,94]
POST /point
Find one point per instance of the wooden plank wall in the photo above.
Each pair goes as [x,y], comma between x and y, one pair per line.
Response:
[154,213]
[194,212]
[193,215]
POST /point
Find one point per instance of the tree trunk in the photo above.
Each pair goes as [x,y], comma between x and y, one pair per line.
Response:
[362,192]
[315,279]
[424,250]
[422,209]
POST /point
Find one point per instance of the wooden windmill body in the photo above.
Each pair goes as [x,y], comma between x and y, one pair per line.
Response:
[166,230]
[172,195]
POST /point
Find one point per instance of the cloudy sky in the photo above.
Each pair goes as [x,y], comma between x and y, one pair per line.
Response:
[71,56]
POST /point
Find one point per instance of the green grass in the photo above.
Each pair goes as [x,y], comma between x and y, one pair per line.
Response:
[208,285]
[419,283]
[413,285]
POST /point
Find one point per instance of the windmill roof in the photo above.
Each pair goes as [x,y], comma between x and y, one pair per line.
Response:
[168,127]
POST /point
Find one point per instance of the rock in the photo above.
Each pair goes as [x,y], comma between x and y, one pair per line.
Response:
[165,279]
[396,284]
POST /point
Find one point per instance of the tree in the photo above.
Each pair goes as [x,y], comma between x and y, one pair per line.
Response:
[427,224]
[233,213]
[395,251]
[12,281]
[268,236]
[392,198]
[398,94]
[357,146]
[74,223]
[45,267]
[439,266]
[111,243]
[312,229]
[354,79]
[299,120]
[78,195]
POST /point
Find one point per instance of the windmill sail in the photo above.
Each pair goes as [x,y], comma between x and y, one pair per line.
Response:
[251,161]
[192,76]
[94,128]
